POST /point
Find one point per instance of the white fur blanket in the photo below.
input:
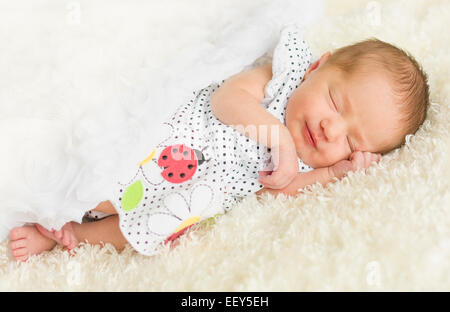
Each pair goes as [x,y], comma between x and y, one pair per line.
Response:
[113,64]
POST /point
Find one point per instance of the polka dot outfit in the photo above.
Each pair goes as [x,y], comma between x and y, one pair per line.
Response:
[204,167]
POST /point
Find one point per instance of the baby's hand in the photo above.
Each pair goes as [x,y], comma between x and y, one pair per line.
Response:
[357,160]
[284,158]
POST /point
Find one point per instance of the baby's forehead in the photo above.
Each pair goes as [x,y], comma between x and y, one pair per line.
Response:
[369,81]
[369,84]
[364,70]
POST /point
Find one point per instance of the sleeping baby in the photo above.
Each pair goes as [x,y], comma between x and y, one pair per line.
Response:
[274,128]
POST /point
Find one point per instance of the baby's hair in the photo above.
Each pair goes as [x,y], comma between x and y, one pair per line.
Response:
[410,82]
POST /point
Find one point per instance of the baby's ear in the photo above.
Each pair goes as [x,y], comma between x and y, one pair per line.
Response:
[317,64]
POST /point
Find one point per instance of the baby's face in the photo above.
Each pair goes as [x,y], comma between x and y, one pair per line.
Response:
[341,114]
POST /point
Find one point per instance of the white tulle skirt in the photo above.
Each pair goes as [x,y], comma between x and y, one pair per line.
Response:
[55,174]
[80,104]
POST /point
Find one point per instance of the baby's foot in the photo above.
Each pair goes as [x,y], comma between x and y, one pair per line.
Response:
[27,240]
[65,236]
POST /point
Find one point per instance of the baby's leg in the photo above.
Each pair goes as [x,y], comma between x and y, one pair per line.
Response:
[106,230]
[105,207]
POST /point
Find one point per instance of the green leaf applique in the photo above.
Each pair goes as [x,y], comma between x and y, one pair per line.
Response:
[132,196]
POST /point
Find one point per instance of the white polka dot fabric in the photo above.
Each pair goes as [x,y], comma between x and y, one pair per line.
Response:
[203,167]
[291,59]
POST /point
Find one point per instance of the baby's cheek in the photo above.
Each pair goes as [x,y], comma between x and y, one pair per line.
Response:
[332,157]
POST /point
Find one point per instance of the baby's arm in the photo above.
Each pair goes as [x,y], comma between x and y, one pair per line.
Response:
[237,103]
[302,179]
[357,160]
[105,207]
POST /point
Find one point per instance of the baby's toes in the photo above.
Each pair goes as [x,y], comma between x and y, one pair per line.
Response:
[45,232]
[72,244]
[67,238]
[17,233]
[59,234]
[19,252]
[20,243]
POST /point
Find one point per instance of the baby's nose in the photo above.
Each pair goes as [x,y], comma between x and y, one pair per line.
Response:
[332,130]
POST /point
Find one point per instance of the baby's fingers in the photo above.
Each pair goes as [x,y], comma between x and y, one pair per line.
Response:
[275,180]
[369,158]
[266,178]
[264,173]
[363,159]
[59,234]
[357,159]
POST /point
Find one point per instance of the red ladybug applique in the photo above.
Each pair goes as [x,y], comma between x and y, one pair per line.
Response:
[179,162]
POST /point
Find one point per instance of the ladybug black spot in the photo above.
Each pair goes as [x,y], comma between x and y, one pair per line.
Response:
[182,175]
[164,157]
[190,166]
[170,174]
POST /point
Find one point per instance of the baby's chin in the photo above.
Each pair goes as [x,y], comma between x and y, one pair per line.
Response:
[315,161]
[307,159]
[312,163]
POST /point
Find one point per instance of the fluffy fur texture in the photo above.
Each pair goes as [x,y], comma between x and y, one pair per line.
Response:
[384,229]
